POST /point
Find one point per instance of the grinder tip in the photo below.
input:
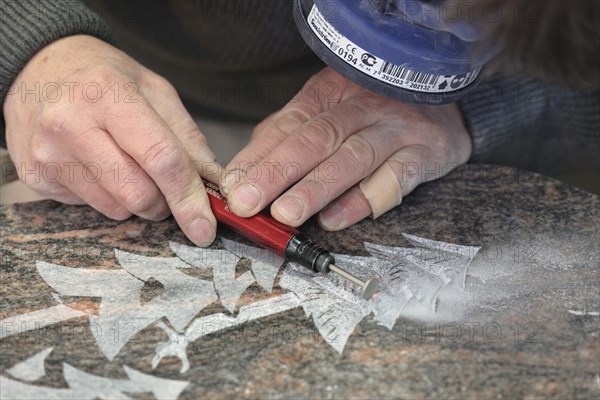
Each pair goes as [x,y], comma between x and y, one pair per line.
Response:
[370,287]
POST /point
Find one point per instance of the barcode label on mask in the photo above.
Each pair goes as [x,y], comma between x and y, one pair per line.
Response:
[380,69]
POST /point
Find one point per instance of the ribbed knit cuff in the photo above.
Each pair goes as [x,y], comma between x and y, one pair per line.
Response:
[26,26]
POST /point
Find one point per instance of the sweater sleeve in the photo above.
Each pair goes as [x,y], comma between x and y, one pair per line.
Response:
[27,26]
[527,123]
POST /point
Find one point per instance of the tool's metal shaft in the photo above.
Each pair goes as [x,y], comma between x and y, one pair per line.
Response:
[369,288]
[347,275]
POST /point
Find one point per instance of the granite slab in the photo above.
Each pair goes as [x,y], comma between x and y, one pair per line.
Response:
[526,324]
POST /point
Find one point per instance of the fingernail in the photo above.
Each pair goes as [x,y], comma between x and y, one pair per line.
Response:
[332,216]
[246,196]
[201,232]
[290,207]
[227,182]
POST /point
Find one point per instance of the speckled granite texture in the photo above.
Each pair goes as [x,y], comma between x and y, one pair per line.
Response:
[529,319]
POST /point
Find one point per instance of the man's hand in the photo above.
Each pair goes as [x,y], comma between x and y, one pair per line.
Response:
[85,123]
[331,137]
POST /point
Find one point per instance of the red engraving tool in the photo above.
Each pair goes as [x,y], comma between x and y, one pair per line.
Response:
[283,240]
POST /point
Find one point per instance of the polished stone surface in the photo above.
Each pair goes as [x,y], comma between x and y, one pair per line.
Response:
[526,325]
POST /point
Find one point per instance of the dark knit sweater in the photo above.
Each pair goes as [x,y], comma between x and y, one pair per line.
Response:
[244,59]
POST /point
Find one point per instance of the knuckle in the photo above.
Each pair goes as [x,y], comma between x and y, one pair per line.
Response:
[182,201]
[441,143]
[104,75]
[142,201]
[53,122]
[415,154]
[314,193]
[259,128]
[160,83]
[46,189]
[409,163]
[40,153]
[362,153]
[286,122]
[187,202]
[117,213]
[323,137]
[406,169]
[163,158]
[187,128]
[198,138]
[295,115]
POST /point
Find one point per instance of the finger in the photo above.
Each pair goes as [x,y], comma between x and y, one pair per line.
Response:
[97,197]
[146,137]
[297,155]
[59,180]
[265,138]
[196,145]
[322,91]
[71,183]
[382,190]
[103,162]
[64,187]
[415,164]
[68,197]
[168,105]
[45,184]
[356,158]
[346,210]
[58,193]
